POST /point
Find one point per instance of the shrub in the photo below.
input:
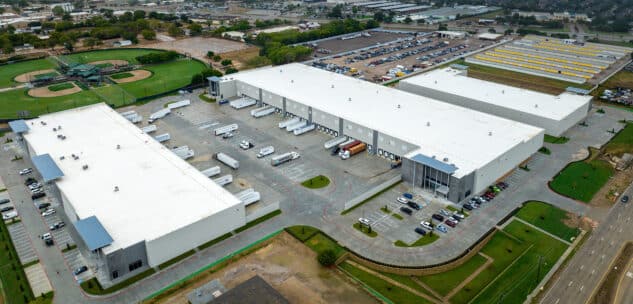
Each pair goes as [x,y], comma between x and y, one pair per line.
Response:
[226,62]
[327,258]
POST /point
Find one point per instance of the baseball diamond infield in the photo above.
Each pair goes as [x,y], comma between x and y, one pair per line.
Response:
[27,77]
[136,75]
[46,92]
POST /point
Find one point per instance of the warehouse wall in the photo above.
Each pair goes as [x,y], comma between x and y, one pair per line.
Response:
[394,145]
[227,89]
[186,238]
[68,207]
[297,108]
[272,99]
[325,119]
[551,126]
[122,260]
[247,89]
[357,131]
[495,169]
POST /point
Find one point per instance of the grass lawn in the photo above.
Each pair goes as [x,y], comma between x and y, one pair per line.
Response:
[536,83]
[320,243]
[425,240]
[9,71]
[316,182]
[15,286]
[46,298]
[545,151]
[112,54]
[583,179]
[365,230]
[302,232]
[555,140]
[622,142]
[166,77]
[521,278]
[51,74]
[205,98]
[17,100]
[61,86]
[92,286]
[104,65]
[215,241]
[393,293]
[548,218]
[397,216]
[122,75]
[444,282]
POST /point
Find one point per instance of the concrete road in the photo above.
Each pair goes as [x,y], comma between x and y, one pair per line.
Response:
[625,289]
[587,268]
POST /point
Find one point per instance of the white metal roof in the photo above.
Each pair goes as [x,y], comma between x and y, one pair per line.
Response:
[450,81]
[469,139]
[158,192]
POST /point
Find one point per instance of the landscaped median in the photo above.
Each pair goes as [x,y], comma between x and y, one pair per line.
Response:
[425,240]
[93,286]
[581,180]
[317,182]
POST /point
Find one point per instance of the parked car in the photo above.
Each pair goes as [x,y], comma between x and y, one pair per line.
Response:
[29,181]
[49,211]
[406,210]
[450,223]
[38,195]
[426,225]
[49,242]
[37,190]
[437,217]
[43,205]
[502,185]
[245,145]
[364,221]
[442,228]
[402,200]
[57,225]
[80,270]
[420,231]
[5,209]
[407,195]
[35,186]
[468,207]
[26,171]
[4,201]
[458,215]
[414,205]
[444,212]
[227,135]
[625,199]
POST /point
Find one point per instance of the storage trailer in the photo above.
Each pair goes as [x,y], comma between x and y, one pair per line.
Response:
[242,103]
[227,160]
[334,142]
[159,114]
[162,137]
[288,122]
[149,129]
[265,151]
[286,157]
[179,104]
[304,129]
[211,172]
[224,180]
[225,129]
[264,112]
[295,126]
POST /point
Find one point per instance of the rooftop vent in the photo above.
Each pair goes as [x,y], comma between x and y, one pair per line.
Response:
[61,136]
[75,157]
[332,86]
[54,129]
[59,127]
[503,91]
[85,167]
[489,133]
[292,81]
[398,106]
[43,123]
[536,105]
[436,82]
[62,157]
[428,123]
[445,159]
[433,157]
[349,99]
[116,188]
[118,147]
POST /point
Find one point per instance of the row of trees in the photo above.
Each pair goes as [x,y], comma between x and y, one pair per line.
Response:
[157,57]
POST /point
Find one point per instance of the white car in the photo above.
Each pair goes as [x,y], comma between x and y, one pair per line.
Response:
[444,212]
[35,186]
[402,200]
[37,190]
[426,225]
[459,215]
[364,221]
[47,236]
[9,215]
[48,212]
[26,171]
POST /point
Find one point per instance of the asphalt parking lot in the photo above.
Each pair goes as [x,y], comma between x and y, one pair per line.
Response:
[22,243]
[336,45]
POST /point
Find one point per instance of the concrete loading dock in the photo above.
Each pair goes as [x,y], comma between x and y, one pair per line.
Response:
[562,59]
[553,113]
[430,136]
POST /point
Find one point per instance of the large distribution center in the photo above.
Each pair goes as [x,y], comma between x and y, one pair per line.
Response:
[130,198]
[553,113]
[451,150]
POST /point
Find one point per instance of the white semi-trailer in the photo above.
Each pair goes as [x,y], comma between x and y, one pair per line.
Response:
[333,142]
[227,160]
[265,151]
[159,114]
[211,172]
[304,129]
[224,180]
[264,112]
[149,129]
[295,126]
[288,122]
[163,137]
[286,157]
[179,104]
[225,129]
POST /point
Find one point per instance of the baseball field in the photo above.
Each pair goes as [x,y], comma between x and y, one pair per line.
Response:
[164,77]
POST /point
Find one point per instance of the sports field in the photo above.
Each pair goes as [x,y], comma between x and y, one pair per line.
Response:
[165,77]
[9,71]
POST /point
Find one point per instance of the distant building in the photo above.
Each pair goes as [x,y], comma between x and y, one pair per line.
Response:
[490,36]
[66,6]
[253,291]
[235,35]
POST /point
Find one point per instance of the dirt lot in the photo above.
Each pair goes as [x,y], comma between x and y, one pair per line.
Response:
[138,75]
[26,77]
[340,46]
[240,58]
[291,268]
[198,47]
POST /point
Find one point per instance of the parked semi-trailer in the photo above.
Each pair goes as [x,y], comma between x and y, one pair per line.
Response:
[224,180]
[265,151]
[163,137]
[179,104]
[295,126]
[286,157]
[335,141]
[213,171]
[264,112]
[227,160]
[288,122]
[353,150]
[225,129]
[304,129]
[349,145]
[159,114]
[248,196]
[149,129]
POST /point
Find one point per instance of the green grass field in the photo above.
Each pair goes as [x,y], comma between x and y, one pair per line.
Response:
[555,140]
[121,75]
[15,286]
[316,182]
[622,142]
[18,100]
[8,72]
[583,179]
[61,86]
[444,282]
[320,243]
[166,77]
[365,230]
[548,218]
[128,55]
[425,240]
[51,74]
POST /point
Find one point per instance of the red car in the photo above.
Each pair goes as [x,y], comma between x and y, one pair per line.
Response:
[450,223]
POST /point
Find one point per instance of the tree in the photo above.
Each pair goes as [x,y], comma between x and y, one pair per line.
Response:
[148,34]
[379,16]
[91,42]
[230,70]
[67,17]
[132,2]
[442,27]
[174,31]
[327,258]
[139,14]
[336,12]
[58,11]
[226,62]
[508,32]
[217,58]
[195,29]
[69,46]
[210,54]
[408,20]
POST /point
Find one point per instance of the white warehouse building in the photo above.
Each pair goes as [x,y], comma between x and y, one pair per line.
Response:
[449,150]
[132,201]
[554,113]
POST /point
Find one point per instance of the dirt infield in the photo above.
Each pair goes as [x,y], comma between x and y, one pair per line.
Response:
[26,77]
[138,75]
[45,92]
[113,62]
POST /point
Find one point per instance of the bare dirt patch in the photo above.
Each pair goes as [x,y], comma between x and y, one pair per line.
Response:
[111,61]
[45,92]
[611,191]
[138,75]
[198,47]
[26,77]
[240,58]
[291,268]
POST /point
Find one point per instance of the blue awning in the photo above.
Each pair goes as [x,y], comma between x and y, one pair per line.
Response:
[93,233]
[214,79]
[47,167]
[434,163]
[18,126]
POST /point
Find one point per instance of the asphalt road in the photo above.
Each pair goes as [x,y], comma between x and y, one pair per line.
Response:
[587,268]
[625,289]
